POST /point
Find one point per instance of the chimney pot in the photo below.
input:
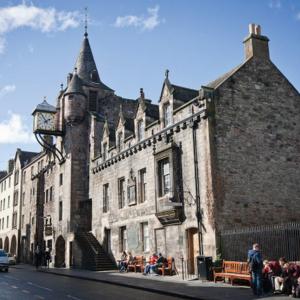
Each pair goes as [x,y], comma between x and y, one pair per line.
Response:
[257,29]
[251,28]
[256,44]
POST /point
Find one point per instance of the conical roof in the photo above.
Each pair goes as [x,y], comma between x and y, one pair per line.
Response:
[45,106]
[86,66]
[75,86]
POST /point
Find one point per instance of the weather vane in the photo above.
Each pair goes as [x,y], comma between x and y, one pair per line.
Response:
[85,23]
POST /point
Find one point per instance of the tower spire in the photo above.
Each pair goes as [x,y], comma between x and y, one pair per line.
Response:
[85,23]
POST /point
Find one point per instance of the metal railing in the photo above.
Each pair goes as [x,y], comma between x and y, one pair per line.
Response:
[275,241]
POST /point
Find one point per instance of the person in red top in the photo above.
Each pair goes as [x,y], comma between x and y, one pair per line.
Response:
[151,264]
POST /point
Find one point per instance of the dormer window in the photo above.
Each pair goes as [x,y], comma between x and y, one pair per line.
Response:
[167,114]
[104,152]
[119,141]
[140,130]
[94,76]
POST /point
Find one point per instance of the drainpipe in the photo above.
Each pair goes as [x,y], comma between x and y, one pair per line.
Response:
[197,189]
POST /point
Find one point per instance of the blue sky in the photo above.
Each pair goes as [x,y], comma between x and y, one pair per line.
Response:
[133,43]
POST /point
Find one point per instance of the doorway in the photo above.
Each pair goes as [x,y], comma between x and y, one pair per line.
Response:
[60,248]
[192,249]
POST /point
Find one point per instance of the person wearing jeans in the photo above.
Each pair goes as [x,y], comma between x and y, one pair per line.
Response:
[255,267]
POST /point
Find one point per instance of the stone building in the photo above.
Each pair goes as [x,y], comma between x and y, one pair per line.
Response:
[129,174]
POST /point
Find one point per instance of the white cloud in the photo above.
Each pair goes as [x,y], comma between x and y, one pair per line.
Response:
[43,19]
[7,89]
[149,22]
[14,130]
[275,4]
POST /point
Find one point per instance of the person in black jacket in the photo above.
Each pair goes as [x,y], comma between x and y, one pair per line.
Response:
[255,267]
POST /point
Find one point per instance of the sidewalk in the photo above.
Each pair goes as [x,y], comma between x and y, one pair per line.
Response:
[168,285]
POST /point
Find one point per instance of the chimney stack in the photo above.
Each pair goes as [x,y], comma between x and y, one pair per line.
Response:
[256,44]
[10,165]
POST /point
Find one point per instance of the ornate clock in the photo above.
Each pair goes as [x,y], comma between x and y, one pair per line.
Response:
[44,118]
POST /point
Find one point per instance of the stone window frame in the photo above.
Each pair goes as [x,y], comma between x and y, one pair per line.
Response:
[61,179]
[142,185]
[93,102]
[131,189]
[105,198]
[172,152]
[60,210]
[119,140]
[123,239]
[166,153]
[16,198]
[104,151]
[165,105]
[143,237]
[14,220]
[140,129]
[121,194]
[16,180]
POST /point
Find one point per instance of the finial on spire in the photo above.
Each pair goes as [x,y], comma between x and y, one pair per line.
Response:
[167,74]
[142,95]
[75,70]
[61,86]
[85,23]
[45,97]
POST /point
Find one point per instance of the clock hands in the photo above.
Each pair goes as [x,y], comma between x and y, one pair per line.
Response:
[44,118]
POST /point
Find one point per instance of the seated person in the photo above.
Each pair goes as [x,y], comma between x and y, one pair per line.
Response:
[130,258]
[123,262]
[296,291]
[151,264]
[283,283]
[266,276]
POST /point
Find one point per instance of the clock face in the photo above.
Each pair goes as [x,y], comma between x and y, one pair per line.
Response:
[45,121]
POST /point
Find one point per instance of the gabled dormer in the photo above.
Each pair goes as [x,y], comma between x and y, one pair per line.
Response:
[108,140]
[171,98]
[146,114]
[120,131]
[140,117]
[166,103]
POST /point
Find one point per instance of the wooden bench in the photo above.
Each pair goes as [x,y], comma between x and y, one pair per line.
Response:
[168,268]
[138,264]
[232,270]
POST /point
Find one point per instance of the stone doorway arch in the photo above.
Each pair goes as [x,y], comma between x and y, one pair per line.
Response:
[13,245]
[1,244]
[60,250]
[6,244]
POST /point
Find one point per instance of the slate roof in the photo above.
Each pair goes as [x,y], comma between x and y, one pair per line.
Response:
[86,66]
[26,157]
[180,94]
[75,86]
[45,106]
[152,112]
[3,174]
[216,83]
[184,94]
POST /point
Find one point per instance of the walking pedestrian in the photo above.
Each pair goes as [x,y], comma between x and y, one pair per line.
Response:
[255,267]
[37,256]
[48,257]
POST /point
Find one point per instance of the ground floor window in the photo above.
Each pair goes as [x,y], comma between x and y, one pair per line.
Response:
[145,236]
[122,239]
